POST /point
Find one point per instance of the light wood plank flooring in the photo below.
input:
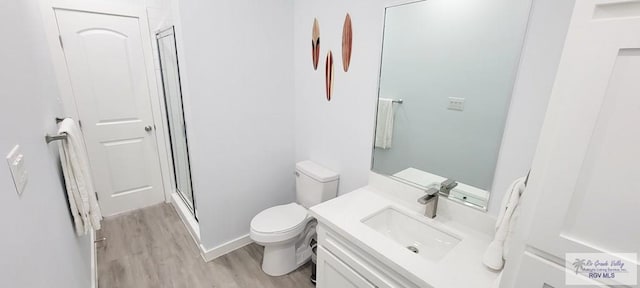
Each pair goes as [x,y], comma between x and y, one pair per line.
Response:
[152,248]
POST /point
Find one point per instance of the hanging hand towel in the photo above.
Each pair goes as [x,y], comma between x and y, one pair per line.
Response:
[384,124]
[77,177]
[497,250]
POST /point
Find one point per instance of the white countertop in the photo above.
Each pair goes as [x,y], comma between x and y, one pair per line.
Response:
[461,268]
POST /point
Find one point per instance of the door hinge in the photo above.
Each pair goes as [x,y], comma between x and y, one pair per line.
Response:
[97,197]
[61,43]
[80,124]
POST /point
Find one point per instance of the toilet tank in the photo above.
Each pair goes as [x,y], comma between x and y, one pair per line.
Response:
[314,183]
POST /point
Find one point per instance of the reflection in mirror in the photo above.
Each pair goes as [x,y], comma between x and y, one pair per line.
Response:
[453,63]
[175,115]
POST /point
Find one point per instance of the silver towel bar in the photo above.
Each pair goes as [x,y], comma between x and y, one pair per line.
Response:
[50,138]
[399,101]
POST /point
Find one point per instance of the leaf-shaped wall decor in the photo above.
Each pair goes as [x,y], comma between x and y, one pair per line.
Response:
[347,42]
[329,75]
[315,44]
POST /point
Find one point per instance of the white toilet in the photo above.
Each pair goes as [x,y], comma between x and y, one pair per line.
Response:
[285,231]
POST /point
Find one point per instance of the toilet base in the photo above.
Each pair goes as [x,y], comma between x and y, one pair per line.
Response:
[282,259]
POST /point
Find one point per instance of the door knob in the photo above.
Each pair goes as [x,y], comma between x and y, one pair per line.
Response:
[148,128]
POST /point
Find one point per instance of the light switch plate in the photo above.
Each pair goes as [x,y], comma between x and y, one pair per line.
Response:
[456,104]
[15,159]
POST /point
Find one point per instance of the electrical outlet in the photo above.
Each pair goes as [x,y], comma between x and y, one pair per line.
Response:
[15,159]
[456,104]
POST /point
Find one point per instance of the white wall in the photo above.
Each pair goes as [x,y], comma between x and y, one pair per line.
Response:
[237,73]
[339,134]
[38,245]
[159,16]
[434,50]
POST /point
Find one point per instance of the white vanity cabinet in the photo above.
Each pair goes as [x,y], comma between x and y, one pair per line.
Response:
[342,264]
[332,272]
[359,245]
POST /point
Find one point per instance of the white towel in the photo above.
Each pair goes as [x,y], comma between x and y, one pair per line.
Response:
[498,249]
[77,178]
[384,124]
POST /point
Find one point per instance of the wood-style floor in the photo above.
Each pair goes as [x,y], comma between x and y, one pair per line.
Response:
[152,248]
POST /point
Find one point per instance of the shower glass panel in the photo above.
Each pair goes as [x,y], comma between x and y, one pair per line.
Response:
[175,115]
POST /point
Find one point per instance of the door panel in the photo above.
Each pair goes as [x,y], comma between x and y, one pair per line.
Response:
[537,272]
[608,177]
[121,165]
[105,60]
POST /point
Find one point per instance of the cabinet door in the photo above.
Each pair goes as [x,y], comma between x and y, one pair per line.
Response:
[586,171]
[333,273]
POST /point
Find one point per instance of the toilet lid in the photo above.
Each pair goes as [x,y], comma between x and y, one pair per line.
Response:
[279,218]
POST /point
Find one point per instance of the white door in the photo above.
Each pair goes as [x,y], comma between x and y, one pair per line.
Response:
[105,60]
[587,167]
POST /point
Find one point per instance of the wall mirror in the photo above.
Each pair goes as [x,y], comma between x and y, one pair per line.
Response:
[446,79]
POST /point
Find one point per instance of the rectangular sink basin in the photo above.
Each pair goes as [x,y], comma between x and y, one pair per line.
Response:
[416,236]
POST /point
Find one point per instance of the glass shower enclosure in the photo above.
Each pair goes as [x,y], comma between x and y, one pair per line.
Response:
[175,115]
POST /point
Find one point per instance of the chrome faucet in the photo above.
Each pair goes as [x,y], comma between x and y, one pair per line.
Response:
[431,202]
[432,196]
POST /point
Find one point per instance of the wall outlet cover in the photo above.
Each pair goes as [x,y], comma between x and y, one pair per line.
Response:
[456,104]
[15,160]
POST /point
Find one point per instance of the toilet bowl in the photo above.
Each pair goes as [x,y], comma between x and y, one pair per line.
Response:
[286,231]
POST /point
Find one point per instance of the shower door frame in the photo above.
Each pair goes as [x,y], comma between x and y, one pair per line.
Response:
[171,32]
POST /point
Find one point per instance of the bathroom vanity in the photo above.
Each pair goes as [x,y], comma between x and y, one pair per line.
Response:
[378,236]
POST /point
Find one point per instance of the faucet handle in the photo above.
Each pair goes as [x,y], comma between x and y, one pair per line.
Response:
[431,193]
[449,184]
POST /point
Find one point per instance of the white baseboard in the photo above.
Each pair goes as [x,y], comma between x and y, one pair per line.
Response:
[220,250]
[94,260]
[194,229]
[187,218]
